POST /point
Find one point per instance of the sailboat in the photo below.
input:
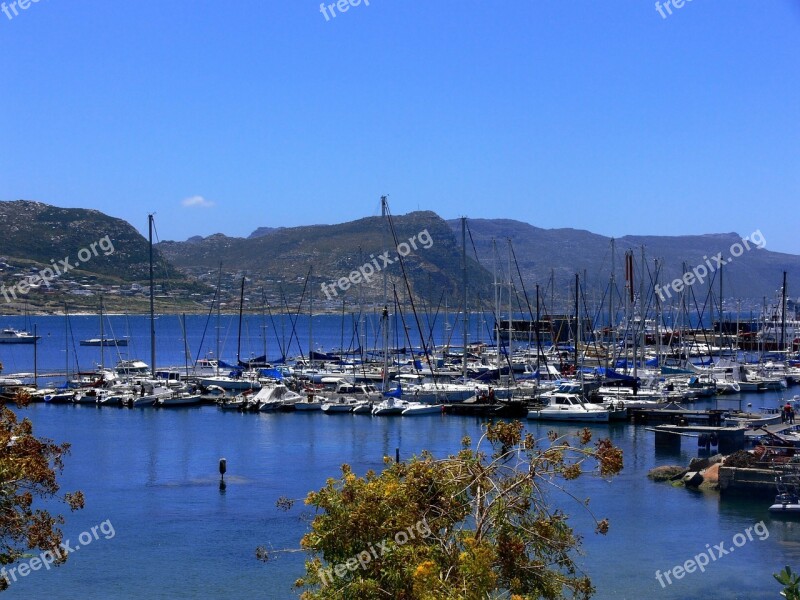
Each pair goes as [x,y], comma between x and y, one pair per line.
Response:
[103,341]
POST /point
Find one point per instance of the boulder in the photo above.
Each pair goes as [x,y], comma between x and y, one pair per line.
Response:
[666,473]
[698,464]
[711,474]
[692,479]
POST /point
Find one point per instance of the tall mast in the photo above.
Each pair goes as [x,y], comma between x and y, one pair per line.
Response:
[385,313]
[152,294]
[577,336]
[538,340]
[66,343]
[721,313]
[510,315]
[783,313]
[310,316]
[465,335]
[642,310]
[497,324]
[102,338]
[239,341]
[611,325]
[657,300]
[219,302]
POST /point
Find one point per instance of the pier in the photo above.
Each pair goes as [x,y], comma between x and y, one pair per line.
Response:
[727,439]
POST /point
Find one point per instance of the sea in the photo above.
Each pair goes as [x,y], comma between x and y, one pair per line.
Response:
[157,525]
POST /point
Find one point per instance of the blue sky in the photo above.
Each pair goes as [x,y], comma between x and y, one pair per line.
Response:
[597,115]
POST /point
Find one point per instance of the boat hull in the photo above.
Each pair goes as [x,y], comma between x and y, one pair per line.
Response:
[429,409]
[599,416]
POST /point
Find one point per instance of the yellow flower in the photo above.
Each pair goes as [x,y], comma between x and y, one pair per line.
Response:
[425,569]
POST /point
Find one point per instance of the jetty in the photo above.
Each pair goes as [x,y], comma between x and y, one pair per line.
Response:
[727,439]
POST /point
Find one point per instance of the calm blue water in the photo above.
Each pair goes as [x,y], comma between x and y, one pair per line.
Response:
[260,335]
[153,474]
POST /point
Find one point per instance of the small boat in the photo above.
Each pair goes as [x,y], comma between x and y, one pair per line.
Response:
[14,336]
[563,406]
[179,398]
[786,503]
[389,406]
[340,405]
[114,398]
[275,397]
[235,403]
[422,408]
[61,397]
[156,393]
[310,402]
[106,342]
[363,407]
[90,397]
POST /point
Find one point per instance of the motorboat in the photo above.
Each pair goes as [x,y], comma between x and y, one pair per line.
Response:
[389,406]
[787,501]
[153,395]
[275,397]
[61,397]
[178,398]
[564,406]
[343,404]
[14,336]
[364,407]
[422,408]
[310,402]
[227,382]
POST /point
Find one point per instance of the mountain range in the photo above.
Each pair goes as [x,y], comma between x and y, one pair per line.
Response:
[276,261]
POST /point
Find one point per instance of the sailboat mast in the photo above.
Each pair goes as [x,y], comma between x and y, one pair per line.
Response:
[35,359]
[497,323]
[577,336]
[66,343]
[385,314]
[721,313]
[310,317]
[465,335]
[152,294]
[102,339]
[219,302]
[611,324]
[538,340]
[510,311]
[783,313]
[239,341]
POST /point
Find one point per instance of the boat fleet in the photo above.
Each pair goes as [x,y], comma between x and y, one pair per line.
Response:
[553,389]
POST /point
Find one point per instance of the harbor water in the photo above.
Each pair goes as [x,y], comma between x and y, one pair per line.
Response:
[151,476]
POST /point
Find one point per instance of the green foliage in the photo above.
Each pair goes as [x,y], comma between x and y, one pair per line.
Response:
[472,525]
[791,583]
[28,470]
